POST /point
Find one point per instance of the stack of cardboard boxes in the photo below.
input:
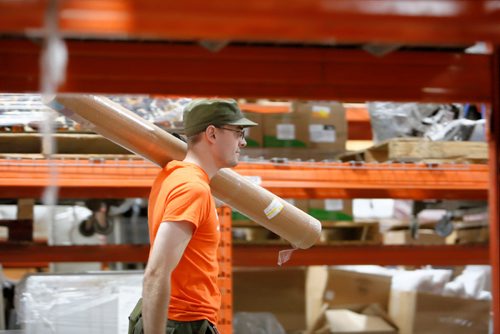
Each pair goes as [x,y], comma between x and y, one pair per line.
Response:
[330,300]
[311,130]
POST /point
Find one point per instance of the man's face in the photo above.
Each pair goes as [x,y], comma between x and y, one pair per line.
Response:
[231,139]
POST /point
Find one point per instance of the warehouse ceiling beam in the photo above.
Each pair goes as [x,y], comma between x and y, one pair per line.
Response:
[253,71]
[380,21]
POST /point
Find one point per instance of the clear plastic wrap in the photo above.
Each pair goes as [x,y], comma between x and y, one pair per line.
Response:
[256,323]
[83,303]
[26,111]
[436,122]
[164,112]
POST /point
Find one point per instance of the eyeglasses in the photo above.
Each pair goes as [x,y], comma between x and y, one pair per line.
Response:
[241,133]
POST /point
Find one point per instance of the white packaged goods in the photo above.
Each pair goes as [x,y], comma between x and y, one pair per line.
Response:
[83,303]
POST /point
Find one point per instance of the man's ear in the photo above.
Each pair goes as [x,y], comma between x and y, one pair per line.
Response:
[210,133]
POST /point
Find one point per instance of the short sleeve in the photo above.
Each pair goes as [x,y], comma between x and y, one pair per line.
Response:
[187,202]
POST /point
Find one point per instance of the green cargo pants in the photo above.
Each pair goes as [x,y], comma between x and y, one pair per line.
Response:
[173,327]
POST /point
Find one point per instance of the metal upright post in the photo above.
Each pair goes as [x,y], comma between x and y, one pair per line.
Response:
[494,191]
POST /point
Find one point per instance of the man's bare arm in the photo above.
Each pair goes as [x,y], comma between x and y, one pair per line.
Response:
[169,245]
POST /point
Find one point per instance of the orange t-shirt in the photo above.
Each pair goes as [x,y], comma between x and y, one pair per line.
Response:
[181,192]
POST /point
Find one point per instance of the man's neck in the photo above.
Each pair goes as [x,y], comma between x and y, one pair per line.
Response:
[203,161]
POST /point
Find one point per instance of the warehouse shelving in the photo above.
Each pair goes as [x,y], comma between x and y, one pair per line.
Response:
[284,71]
[133,178]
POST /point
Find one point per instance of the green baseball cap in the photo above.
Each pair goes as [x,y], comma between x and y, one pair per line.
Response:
[200,113]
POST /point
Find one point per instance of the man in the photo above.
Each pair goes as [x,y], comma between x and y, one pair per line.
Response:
[181,275]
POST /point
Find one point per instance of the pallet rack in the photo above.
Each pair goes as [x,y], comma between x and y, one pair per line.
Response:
[283,71]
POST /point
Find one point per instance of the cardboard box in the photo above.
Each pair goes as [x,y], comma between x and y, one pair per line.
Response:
[316,278]
[278,291]
[327,125]
[331,209]
[313,130]
[478,234]
[419,313]
[403,237]
[347,321]
[286,130]
[335,288]
[355,319]
[349,287]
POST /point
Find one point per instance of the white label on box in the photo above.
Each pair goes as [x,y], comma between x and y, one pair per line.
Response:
[247,132]
[285,131]
[334,205]
[321,111]
[322,133]
[273,209]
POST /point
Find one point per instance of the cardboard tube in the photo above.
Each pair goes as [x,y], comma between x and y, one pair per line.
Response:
[140,136]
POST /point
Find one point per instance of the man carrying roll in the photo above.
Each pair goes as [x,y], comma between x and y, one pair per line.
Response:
[180,279]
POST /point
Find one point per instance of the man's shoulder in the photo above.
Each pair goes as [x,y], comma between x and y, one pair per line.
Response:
[193,184]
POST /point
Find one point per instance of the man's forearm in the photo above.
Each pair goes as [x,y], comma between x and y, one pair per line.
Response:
[155,300]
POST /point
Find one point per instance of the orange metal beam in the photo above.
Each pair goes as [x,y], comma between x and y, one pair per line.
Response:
[133,178]
[252,71]
[243,255]
[380,21]
[357,255]
[344,180]
[494,193]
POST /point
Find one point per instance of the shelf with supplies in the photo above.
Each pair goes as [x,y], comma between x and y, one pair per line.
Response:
[94,177]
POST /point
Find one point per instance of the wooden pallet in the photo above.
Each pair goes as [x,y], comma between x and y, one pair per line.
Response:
[421,150]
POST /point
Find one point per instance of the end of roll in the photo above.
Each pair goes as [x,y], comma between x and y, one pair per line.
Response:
[312,236]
